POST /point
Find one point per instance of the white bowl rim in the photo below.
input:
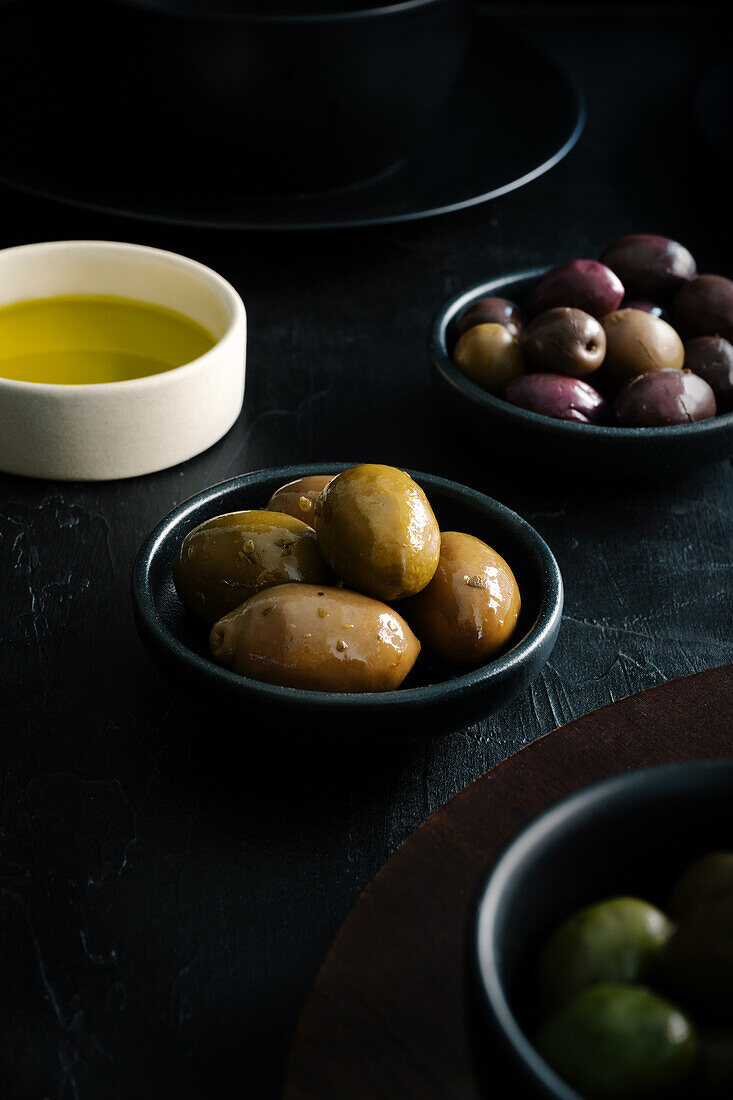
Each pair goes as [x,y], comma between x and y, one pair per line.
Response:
[152,381]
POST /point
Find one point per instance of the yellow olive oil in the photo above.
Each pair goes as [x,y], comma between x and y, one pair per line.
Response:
[83,338]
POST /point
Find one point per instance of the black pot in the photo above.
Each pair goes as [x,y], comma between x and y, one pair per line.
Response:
[211,91]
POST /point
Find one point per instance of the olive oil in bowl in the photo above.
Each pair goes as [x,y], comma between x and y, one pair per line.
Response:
[81,339]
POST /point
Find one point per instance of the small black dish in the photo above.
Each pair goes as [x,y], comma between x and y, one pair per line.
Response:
[528,438]
[423,707]
[521,98]
[630,835]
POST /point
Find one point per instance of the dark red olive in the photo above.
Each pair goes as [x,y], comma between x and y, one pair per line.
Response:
[704,307]
[557,396]
[647,307]
[566,341]
[649,266]
[664,397]
[582,284]
[499,311]
[711,358]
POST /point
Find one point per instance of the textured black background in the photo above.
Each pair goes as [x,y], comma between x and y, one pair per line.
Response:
[165,894]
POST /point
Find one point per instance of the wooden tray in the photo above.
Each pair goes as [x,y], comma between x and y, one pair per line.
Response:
[386,1017]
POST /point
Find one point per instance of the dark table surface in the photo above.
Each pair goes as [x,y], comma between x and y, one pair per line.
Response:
[166,892]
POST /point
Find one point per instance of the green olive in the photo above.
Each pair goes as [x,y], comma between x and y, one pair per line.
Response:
[469,611]
[377,531]
[697,963]
[317,639]
[489,356]
[223,561]
[620,1042]
[298,497]
[706,880]
[618,940]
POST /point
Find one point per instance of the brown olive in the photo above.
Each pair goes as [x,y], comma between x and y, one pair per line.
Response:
[378,532]
[226,559]
[637,342]
[489,356]
[317,639]
[663,397]
[469,611]
[704,307]
[566,341]
[498,310]
[298,497]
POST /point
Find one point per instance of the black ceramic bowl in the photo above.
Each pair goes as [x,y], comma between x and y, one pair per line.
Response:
[531,439]
[425,705]
[629,835]
[267,96]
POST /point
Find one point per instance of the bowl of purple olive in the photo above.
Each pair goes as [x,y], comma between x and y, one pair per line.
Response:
[622,364]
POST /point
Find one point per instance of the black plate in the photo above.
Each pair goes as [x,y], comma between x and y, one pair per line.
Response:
[512,117]
[546,444]
[428,704]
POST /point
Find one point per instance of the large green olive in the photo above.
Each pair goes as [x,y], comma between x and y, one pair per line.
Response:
[489,356]
[637,342]
[223,561]
[618,940]
[377,531]
[469,610]
[709,879]
[318,639]
[697,963]
[620,1042]
[298,497]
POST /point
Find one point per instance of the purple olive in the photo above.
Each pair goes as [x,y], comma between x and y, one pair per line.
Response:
[499,311]
[704,307]
[582,284]
[649,266]
[557,396]
[711,358]
[566,341]
[664,397]
[647,307]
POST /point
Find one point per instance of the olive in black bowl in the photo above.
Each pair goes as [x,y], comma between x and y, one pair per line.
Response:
[711,357]
[648,265]
[664,397]
[565,340]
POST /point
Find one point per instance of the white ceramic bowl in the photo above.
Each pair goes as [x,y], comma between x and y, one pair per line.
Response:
[122,429]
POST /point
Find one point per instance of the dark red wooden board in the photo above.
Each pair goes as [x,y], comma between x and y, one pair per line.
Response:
[386,1017]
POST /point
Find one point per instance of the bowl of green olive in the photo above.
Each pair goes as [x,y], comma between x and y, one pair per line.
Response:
[620,365]
[348,599]
[602,949]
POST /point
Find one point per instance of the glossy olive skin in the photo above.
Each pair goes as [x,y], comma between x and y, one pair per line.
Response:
[697,964]
[709,879]
[566,341]
[469,611]
[317,639]
[377,531]
[647,307]
[298,497]
[704,307]
[711,358]
[649,266]
[620,1042]
[581,284]
[618,940]
[490,356]
[662,398]
[559,397]
[638,342]
[223,561]
[498,311]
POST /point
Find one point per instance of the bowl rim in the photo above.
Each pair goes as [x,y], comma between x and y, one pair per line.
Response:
[450,374]
[70,391]
[484,952]
[360,14]
[543,630]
